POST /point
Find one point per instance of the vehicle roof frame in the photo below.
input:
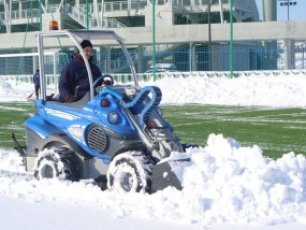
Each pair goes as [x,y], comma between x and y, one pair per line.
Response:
[76,37]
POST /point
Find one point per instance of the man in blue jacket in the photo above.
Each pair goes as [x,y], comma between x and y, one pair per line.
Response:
[36,81]
[74,75]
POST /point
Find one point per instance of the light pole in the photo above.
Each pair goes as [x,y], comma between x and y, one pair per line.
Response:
[209,33]
[287,3]
[231,51]
[154,38]
[102,13]
[289,44]
[87,15]
[303,55]
[40,14]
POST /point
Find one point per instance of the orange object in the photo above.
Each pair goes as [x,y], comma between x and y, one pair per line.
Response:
[53,25]
[104,102]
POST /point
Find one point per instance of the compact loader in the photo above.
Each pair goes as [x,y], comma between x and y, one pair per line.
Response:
[115,133]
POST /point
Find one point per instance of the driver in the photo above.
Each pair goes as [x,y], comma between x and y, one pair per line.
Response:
[74,82]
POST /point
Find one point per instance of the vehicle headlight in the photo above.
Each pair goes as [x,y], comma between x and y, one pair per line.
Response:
[113,117]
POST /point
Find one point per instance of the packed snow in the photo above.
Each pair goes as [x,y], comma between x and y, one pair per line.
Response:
[260,90]
[226,185]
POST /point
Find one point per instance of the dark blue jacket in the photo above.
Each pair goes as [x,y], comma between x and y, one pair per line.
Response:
[75,74]
[36,79]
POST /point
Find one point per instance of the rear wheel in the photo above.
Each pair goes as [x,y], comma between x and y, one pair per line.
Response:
[57,163]
[130,172]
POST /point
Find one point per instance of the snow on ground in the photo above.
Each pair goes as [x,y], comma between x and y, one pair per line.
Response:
[276,91]
[226,186]
[10,91]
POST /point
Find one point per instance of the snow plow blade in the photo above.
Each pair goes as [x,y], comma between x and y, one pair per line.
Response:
[168,173]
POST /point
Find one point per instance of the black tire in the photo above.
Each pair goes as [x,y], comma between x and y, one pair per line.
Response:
[130,172]
[58,163]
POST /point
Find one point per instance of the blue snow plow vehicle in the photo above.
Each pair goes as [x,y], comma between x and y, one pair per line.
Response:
[114,134]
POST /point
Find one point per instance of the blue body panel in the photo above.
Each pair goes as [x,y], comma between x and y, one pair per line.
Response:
[73,121]
[40,126]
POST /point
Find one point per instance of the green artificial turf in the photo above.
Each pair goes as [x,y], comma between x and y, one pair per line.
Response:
[276,131]
[12,117]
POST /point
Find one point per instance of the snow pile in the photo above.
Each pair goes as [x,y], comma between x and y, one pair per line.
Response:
[230,183]
[10,161]
[225,183]
[9,91]
[276,91]
[4,88]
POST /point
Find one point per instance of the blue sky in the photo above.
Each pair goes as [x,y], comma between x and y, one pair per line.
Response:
[297,12]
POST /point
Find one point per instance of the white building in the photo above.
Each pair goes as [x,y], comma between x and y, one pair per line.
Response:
[184,28]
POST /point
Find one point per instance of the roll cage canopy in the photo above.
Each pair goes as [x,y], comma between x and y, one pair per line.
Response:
[76,36]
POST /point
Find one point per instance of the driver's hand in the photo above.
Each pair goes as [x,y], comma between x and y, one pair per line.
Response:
[70,99]
[106,82]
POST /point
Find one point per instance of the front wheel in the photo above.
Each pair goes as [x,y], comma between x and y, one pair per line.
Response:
[57,163]
[130,172]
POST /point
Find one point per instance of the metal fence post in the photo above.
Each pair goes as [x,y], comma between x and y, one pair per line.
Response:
[231,56]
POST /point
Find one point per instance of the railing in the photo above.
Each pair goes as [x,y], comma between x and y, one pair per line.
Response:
[123,6]
[112,23]
[79,14]
[115,6]
[108,7]
[127,78]
[30,13]
[183,2]
[16,14]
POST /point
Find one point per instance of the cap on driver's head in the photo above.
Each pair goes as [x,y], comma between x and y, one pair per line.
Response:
[86,43]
